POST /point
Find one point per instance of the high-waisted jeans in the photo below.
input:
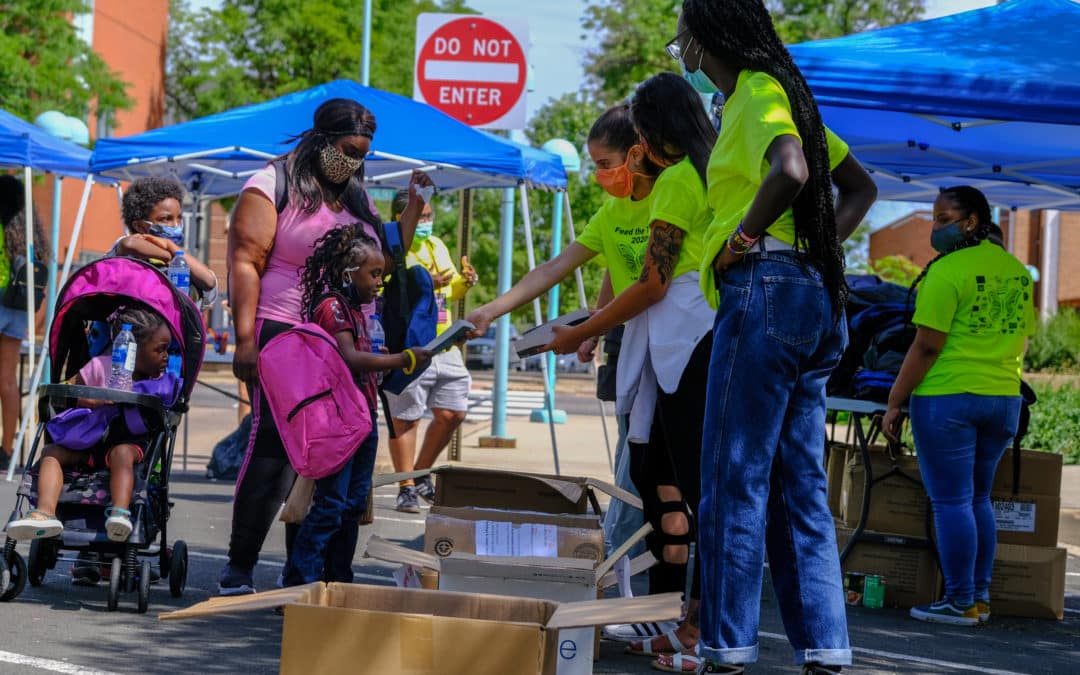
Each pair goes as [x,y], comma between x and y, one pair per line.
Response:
[775,341]
[960,439]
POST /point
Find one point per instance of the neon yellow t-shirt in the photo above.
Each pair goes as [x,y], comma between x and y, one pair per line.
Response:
[757,113]
[982,297]
[618,233]
[679,198]
[432,255]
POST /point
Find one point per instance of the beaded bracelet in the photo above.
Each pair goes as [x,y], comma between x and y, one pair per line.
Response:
[740,243]
[412,362]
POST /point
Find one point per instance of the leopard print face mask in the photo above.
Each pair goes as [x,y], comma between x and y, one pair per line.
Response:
[336,166]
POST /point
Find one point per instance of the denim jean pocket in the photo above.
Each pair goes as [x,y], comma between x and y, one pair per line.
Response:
[794,309]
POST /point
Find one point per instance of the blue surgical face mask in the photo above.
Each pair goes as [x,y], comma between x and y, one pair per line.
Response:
[698,79]
[947,238]
[424,229]
[175,234]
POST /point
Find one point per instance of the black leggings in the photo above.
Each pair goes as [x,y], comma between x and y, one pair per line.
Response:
[673,457]
[265,479]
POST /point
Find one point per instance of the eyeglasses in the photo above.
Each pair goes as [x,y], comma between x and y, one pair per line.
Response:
[673,48]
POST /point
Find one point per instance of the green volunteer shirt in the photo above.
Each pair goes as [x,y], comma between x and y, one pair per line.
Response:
[618,233]
[757,113]
[982,297]
[679,198]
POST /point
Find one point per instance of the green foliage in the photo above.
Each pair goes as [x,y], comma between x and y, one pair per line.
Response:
[626,41]
[857,250]
[802,20]
[1055,422]
[896,269]
[45,66]
[250,51]
[1056,346]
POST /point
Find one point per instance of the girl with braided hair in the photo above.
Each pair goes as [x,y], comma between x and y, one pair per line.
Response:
[961,379]
[343,273]
[773,268]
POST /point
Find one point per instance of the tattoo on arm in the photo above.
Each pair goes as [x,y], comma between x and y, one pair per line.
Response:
[665,243]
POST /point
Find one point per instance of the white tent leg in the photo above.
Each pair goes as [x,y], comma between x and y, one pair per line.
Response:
[30,408]
[30,411]
[585,305]
[549,392]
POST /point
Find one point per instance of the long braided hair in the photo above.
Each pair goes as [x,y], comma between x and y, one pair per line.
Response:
[969,200]
[741,33]
[338,250]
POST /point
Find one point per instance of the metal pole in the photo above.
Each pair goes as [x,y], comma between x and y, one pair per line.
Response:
[464,227]
[549,395]
[54,247]
[31,309]
[553,294]
[502,324]
[365,65]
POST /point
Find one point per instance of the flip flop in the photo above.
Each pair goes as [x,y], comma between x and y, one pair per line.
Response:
[647,648]
[30,527]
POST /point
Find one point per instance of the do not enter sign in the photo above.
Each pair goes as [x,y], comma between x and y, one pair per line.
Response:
[472,68]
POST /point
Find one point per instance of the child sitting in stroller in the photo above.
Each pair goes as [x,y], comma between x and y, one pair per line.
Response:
[119,449]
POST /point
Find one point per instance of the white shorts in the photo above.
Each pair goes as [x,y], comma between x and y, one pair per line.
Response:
[445,384]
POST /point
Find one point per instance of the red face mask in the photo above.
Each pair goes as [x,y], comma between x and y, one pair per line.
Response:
[618,181]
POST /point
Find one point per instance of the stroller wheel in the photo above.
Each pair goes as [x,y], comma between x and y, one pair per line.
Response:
[12,575]
[178,567]
[115,576]
[144,586]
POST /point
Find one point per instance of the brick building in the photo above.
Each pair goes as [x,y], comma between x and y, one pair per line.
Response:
[1025,235]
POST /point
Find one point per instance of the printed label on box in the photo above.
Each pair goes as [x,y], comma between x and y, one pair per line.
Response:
[504,539]
[1014,516]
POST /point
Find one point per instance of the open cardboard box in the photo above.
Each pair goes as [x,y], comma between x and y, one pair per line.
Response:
[457,486]
[512,533]
[544,578]
[355,628]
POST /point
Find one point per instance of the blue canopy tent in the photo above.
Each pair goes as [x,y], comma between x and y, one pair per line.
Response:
[214,155]
[989,97]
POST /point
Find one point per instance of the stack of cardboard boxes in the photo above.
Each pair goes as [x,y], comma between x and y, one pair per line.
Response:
[1029,571]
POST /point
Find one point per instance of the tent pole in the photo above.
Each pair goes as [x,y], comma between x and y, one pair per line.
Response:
[54,245]
[549,392]
[585,305]
[551,375]
[463,241]
[29,408]
[31,309]
[502,325]
[365,66]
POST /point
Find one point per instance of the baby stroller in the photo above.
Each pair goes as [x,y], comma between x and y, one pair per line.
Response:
[92,294]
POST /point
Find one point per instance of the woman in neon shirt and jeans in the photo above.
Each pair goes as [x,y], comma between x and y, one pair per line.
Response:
[974,311]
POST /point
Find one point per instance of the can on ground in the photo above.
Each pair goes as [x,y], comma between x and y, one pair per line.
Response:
[873,591]
[854,583]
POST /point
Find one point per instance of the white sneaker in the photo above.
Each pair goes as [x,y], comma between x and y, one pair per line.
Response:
[118,524]
[632,632]
[42,527]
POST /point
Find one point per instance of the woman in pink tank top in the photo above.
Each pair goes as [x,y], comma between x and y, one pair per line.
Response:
[269,242]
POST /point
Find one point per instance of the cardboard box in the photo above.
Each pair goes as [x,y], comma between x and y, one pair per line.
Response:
[426,632]
[1040,473]
[1026,520]
[897,504]
[493,489]
[512,533]
[1028,581]
[911,574]
[834,473]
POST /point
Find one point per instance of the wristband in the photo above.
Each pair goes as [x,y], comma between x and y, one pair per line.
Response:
[408,370]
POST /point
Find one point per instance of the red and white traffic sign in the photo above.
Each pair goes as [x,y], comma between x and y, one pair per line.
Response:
[473,68]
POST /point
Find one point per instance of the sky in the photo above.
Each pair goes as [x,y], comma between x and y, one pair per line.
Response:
[557,51]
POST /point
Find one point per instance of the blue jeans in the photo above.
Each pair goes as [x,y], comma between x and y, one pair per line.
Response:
[775,341]
[326,542]
[622,520]
[960,439]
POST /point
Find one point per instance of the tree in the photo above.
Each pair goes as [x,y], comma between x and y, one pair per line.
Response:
[802,20]
[857,250]
[629,38]
[45,66]
[249,51]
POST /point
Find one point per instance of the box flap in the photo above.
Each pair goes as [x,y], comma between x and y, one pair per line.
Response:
[615,491]
[605,567]
[309,594]
[560,570]
[662,607]
[381,549]
[637,566]
[379,480]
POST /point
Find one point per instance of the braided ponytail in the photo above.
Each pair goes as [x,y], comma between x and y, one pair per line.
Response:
[336,251]
[741,33]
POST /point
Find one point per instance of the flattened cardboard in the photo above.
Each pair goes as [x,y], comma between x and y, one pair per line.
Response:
[897,505]
[1026,520]
[911,574]
[1028,581]
[450,530]
[834,474]
[1040,473]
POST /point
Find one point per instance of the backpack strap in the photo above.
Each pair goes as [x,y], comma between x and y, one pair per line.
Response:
[281,184]
[344,303]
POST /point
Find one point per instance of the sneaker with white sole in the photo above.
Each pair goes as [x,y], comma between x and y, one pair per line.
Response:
[633,632]
[118,524]
[983,608]
[425,488]
[944,611]
[36,525]
[234,581]
[407,501]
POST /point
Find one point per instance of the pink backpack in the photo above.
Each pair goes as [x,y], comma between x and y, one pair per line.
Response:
[319,411]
